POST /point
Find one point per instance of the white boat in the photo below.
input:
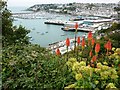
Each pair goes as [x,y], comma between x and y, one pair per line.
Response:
[55,22]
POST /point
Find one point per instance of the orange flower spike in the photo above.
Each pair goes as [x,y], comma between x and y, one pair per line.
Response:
[93,42]
[76,25]
[83,42]
[58,52]
[109,47]
[97,47]
[90,35]
[90,54]
[67,42]
[78,40]
[94,58]
[105,46]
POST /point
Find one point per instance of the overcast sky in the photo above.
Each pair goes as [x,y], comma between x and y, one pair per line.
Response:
[32,2]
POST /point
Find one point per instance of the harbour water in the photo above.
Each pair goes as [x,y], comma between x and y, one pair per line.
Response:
[41,33]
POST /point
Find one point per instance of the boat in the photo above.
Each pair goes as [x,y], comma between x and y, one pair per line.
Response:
[38,32]
[82,27]
[42,33]
[79,29]
[63,35]
[54,22]
[76,19]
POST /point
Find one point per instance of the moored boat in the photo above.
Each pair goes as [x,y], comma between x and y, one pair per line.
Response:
[55,22]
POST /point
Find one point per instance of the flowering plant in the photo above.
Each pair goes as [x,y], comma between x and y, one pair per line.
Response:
[88,77]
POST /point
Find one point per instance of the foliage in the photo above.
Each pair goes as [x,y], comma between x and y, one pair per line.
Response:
[12,34]
[98,69]
[114,27]
[88,77]
[30,66]
[2,4]
[117,8]
[115,38]
[112,33]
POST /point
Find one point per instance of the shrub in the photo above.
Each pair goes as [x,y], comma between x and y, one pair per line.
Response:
[88,77]
[33,67]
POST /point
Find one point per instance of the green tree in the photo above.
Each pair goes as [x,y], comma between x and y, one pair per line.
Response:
[10,33]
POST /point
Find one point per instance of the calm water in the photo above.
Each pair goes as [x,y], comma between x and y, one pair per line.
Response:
[44,34]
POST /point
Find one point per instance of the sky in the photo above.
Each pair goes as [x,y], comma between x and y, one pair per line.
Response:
[27,3]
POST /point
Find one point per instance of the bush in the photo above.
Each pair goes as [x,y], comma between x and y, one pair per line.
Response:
[87,77]
[32,67]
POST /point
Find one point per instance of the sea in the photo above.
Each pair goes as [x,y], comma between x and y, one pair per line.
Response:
[44,34]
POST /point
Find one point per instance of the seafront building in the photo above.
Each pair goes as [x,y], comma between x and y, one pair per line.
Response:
[97,9]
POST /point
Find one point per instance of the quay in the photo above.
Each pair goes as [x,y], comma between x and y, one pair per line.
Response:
[61,45]
[22,13]
[79,29]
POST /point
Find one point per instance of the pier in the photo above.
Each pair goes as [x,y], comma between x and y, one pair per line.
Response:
[30,15]
[22,13]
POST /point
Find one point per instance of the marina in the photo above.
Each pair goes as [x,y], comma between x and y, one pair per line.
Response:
[47,27]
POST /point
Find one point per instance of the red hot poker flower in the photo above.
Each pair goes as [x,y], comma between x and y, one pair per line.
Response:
[93,42]
[78,40]
[108,46]
[67,42]
[94,58]
[90,35]
[76,25]
[90,54]
[105,46]
[58,52]
[97,47]
[83,42]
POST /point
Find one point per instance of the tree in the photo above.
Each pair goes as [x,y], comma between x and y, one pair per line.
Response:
[12,34]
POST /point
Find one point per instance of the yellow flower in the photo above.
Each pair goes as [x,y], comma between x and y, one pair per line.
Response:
[73,60]
[114,76]
[110,85]
[99,65]
[76,67]
[69,63]
[115,54]
[70,86]
[78,76]
[104,67]
[118,49]
[105,63]
[117,57]
[113,71]
[113,49]
[104,75]
[96,82]
[97,70]
[82,63]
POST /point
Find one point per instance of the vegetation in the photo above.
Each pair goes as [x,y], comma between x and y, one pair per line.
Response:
[11,34]
[93,63]
[112,33]
[28,66]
